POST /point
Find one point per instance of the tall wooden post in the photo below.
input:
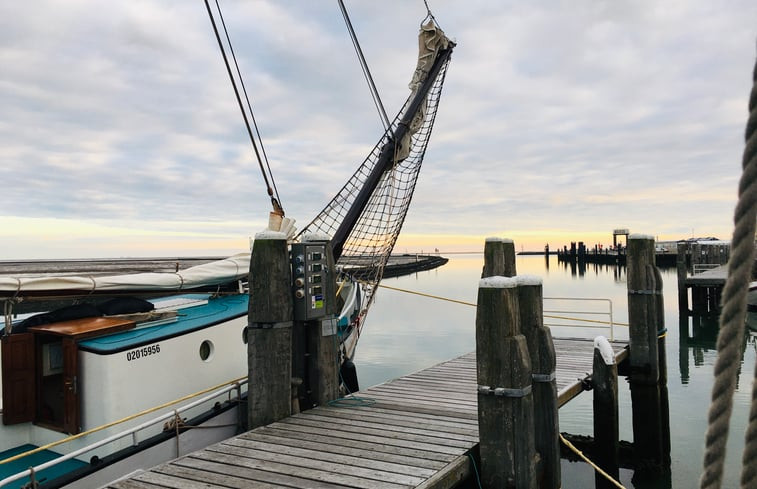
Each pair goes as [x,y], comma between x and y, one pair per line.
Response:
[644,356]
[683,293]
[543,363]
[499,258]
[606,435]
[269,332]
[505,400]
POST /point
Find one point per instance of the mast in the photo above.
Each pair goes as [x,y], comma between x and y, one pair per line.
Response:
[386,158]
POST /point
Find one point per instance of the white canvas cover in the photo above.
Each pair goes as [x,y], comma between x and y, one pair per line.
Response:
[214,273]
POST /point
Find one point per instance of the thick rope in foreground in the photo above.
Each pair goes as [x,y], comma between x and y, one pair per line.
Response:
[733,312]
[748,460]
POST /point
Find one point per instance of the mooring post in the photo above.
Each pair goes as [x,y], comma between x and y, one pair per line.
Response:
[543,363]
[499,258]
[644,355]
[683,293]
[269,331]
[606,436]
[505,400]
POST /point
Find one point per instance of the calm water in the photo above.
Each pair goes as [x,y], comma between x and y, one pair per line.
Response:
[405,333]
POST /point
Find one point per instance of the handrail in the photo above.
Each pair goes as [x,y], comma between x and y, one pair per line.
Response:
[610,323]
[230,385]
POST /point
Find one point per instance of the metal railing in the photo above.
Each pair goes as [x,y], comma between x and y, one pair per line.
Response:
[582,318]
[133,432]
[703,267]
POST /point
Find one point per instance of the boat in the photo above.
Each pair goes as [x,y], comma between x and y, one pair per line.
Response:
[751,307]
[101,374]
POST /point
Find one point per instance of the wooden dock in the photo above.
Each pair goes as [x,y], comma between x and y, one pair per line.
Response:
[414,431]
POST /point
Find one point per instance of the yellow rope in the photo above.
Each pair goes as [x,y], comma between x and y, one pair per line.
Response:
[474,305]
[113,423]
[585,459]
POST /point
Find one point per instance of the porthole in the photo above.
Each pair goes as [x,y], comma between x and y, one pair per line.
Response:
[206,351]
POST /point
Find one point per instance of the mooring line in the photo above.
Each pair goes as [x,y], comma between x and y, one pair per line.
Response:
[594,466]
[446,299]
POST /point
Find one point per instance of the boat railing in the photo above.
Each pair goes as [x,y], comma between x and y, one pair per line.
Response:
[580,312]
[219,390]
[703,267]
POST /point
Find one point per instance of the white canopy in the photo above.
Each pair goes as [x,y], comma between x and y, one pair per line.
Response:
[214,273]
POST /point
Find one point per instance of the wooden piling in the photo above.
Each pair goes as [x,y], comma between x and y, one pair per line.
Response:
[643,318]
[543,363]
[606,435]
[499,258]
[269,332]
[683,292]
[641,309]
[505,400]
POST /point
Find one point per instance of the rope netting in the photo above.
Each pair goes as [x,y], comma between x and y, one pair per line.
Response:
[369,243]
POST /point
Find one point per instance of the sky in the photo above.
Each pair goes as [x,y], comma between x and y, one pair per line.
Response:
[559,121]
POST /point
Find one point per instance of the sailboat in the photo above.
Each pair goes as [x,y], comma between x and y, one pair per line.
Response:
[74,377]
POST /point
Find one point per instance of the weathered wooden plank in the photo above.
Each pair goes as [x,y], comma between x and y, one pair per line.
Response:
[445,443]
[338,469]
[296,471]
[404,464]
[428,430]
[131,484]
[374,409]
[370,438]
[255,476]
[421,458]
[170,481]
[452,475]
[365,462]
[400,420]
[222,479]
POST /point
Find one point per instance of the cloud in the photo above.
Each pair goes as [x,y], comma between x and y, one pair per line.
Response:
[554,116]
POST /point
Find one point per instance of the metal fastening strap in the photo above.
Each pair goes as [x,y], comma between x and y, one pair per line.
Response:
[284,324]
[504,391]
[645,292]
[543,377]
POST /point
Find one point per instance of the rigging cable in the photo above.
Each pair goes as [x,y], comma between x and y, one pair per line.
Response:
[366,71]
[274,196]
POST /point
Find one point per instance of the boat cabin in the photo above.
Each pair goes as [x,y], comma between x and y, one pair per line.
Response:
[40,371]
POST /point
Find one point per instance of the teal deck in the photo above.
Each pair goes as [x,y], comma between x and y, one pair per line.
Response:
[7,470]
[190,319]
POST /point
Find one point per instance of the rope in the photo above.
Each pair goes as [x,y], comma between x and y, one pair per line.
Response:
[366,72]
[732,322]
[430,296]
[274,201]
[594,466]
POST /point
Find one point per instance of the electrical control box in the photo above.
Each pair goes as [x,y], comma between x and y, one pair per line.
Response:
[310,273]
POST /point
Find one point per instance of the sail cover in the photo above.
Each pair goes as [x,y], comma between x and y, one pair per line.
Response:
[218,272]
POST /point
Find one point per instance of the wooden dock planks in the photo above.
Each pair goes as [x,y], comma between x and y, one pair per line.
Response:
[415,431]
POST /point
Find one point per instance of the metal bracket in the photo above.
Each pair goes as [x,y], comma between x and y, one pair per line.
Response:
[504,391]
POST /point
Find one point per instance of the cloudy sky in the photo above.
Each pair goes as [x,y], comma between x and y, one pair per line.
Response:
[560,120]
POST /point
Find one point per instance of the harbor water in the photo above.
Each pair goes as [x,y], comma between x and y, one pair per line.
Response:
[405,333]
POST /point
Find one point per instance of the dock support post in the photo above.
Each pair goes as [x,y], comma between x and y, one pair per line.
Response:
[606,435]
[269,331]
[499,258]
[505,400]
[643,318]
[543,363]
[683,293]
